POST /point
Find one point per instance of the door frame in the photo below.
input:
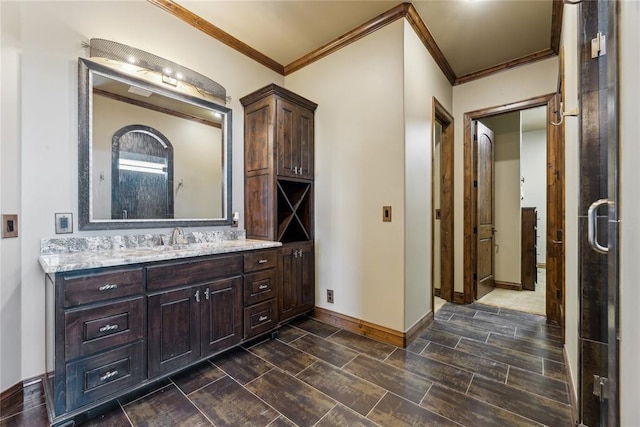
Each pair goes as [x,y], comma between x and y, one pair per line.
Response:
[441,115]
[555,191]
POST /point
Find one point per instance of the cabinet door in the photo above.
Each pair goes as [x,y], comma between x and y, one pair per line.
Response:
[305,145]
[288,289]
[307,278]
[287,139]
[221,314]
[174,330]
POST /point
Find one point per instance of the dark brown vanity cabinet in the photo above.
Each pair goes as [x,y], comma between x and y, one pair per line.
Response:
[200,318]
[96,335]
[113,330]
[297,290]
[279,188]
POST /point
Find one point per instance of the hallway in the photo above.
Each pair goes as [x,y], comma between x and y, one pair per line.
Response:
[475,365]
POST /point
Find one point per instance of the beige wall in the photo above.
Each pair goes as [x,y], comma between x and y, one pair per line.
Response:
[533,168]
[359,167]
[373,148]
[570,44]
[44,149]
[506,154]
[423,80]
[10,194]
[513,85]
[629,214]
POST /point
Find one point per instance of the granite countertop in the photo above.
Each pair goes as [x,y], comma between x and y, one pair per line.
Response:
[58,255]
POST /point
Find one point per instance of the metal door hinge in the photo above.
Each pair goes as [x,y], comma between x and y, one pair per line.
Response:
[600,388]
[598,45]
[475,184]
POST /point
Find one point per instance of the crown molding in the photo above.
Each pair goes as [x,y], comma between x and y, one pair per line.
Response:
[403,10]
[208,28]
[523,60]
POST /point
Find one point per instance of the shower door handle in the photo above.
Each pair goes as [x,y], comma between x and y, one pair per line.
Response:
[592,225]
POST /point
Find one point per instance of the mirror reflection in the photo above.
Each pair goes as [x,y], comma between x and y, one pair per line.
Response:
[153,155]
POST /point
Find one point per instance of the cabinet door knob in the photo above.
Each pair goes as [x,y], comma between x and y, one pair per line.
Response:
[295,170]
[197,295]
[300,170]
[206,294]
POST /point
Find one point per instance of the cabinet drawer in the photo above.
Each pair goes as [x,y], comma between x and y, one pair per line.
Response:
[259,318]
[192,272]
[101,286]
[259,286]
[98,376]
[98,328]
[260,261]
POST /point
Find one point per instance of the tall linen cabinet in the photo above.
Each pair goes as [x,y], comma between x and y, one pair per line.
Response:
[278,195]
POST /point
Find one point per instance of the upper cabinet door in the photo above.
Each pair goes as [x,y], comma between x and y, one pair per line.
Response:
[305,127]
[294,141]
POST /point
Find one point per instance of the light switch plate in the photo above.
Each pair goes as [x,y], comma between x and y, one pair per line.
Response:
[9,226]
[64,223]
[386,214]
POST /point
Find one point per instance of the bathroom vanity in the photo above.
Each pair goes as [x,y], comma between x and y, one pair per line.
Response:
[120,318]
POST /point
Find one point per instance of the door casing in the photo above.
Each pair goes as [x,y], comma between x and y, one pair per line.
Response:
[555,201]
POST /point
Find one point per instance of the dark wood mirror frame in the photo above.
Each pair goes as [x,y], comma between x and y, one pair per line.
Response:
[85,94]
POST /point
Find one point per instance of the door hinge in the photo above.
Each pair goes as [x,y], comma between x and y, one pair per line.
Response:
[475,184]
[475,276]
[600,387]
[475,230]
[598,45]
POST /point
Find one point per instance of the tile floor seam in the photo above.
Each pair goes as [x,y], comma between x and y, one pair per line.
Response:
[506,379]
[469,386]
[143,396]
[256,378]
[279,414]
[327,413]
[315,362]
[192,403]
[426,394]
[377,403]
[125,414]
[200,388]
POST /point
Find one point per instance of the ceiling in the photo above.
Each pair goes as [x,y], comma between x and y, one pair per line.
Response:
[474,36]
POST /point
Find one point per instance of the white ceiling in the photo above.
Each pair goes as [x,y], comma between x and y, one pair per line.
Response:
[473,35]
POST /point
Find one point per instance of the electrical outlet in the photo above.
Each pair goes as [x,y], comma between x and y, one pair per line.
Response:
[330,296]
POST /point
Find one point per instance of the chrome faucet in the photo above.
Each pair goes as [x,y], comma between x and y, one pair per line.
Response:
[177,236]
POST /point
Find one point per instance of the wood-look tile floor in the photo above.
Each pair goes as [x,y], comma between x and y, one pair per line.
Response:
[475,365]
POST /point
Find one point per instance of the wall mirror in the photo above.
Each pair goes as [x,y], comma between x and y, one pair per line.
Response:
[149,156]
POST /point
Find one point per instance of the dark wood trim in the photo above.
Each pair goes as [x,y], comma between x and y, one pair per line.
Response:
[18,387]
[508,285]
[458,298]
[139,103]
[274,89]
[429,42]
[403,10]
[360,327]
[523,60]
[208,28]
[441,115]
[349,37]
[555,160]
[556,25]
[418,328]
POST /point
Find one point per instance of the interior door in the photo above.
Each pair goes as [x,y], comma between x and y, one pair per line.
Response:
[483,140]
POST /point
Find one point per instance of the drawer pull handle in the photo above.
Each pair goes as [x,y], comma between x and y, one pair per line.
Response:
[108,287]
[262,318]
[108,375]
[106,328]
[262,261]
[262,287]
